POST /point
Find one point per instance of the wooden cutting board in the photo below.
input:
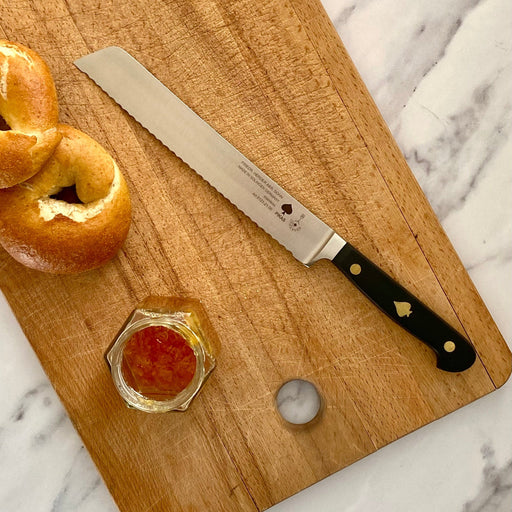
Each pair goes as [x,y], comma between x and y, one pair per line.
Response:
[275,80]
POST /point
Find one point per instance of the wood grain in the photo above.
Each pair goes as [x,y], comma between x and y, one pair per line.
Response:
[274,79]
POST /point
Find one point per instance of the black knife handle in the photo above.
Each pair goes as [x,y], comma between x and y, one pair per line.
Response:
[454,352]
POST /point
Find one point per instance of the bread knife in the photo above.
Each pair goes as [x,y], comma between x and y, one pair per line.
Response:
[307,237]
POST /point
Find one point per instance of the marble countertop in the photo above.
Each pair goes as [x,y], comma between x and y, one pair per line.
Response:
[441,74]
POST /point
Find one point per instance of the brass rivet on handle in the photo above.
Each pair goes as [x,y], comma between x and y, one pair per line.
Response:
[449,346]
[355,269]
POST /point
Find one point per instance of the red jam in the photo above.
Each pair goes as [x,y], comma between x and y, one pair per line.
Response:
[158,362]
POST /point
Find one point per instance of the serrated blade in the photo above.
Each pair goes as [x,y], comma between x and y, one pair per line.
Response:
[162,113]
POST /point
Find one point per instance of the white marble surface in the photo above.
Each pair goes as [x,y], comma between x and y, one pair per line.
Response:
[440,71]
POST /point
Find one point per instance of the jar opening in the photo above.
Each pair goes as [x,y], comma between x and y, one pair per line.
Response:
[158,362]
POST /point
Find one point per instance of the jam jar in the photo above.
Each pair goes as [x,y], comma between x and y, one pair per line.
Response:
[163,354]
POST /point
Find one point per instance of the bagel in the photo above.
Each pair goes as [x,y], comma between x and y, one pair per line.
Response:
[29,111]
[46,231]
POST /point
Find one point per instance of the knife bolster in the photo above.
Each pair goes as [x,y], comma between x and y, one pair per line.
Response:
[329,250]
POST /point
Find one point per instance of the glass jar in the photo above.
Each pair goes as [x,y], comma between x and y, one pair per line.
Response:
[163,354]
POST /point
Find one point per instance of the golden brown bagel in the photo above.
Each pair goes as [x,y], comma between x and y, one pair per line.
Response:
[56,236]
[28,105]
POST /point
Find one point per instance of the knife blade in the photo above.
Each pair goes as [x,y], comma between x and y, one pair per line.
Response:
[307,237]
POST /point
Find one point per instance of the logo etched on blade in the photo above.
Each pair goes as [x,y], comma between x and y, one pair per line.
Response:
[295,223]
[287,209]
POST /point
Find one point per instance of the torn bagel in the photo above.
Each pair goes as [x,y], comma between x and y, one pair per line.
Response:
[28,113]
[73,215]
